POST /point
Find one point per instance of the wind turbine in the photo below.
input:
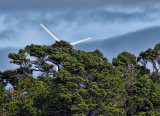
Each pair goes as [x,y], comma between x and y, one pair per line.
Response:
[55,38]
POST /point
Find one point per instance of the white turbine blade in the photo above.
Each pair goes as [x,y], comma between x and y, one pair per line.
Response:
[80,41]
[54,37]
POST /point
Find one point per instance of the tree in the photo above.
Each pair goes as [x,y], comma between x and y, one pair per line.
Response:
[24,63]
[40,55]
[85,85]
[2,93]
[128,62]
[152,56]
[139,99]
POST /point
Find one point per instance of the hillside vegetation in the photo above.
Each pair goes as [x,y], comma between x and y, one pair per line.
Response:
[85,85]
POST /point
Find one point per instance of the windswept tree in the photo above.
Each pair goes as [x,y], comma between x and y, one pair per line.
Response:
[151,56]
[86,84]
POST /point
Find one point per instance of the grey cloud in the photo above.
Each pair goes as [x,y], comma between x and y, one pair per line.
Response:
[45,5]
[81,12]
[108,16]
[135,43]
[81,17]
[28,14]
[7,34]
[100,16]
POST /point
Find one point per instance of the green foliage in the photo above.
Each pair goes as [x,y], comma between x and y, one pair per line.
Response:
[10,76]
[2,93]
[151,56]
[155,94]
[150,113]
[16,104]
[124,59]
[85,85]
[143,86]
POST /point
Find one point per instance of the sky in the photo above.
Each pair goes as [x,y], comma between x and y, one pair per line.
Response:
[71,20]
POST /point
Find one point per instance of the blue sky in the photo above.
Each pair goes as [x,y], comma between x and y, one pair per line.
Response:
[72,20]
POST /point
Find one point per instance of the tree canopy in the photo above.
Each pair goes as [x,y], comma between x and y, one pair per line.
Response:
[86,83]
